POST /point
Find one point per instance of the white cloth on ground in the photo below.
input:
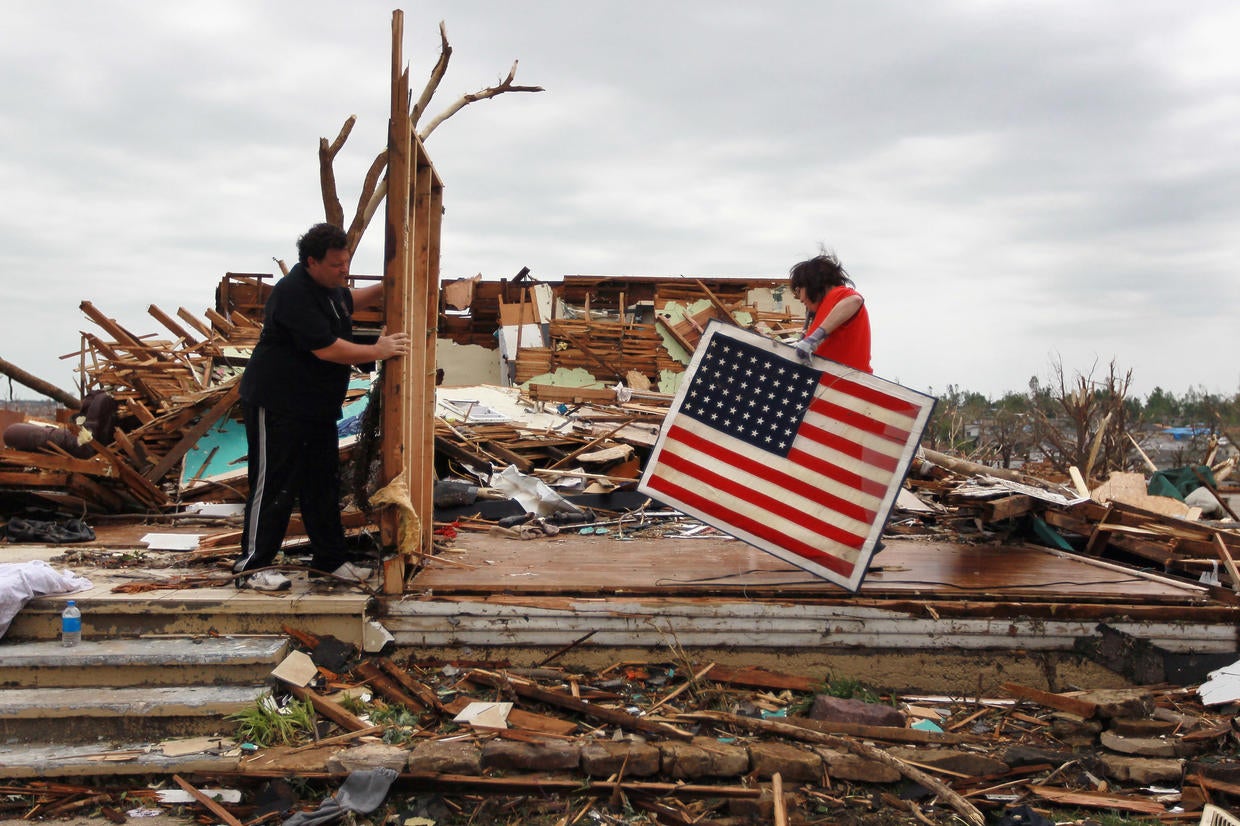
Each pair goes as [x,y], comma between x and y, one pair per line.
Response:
[21,582]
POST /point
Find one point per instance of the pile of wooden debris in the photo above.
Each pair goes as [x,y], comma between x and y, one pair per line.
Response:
[172,388]
[167,392]
[686,742]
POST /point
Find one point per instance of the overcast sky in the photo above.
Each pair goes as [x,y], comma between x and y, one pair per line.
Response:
[1010,184]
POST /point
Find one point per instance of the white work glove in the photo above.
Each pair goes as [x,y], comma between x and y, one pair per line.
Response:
[807,346]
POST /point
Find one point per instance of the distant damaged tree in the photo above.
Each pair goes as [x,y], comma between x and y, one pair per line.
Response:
[1083,423]
[1009,434]
[374,186]
[954,425]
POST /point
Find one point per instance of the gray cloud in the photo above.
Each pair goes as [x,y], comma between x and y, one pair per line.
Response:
[1009,183]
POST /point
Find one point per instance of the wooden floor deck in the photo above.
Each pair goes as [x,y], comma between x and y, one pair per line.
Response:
[941,615]
[951,571]
[934,605]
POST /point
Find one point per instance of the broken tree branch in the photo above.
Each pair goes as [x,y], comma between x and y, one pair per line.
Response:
[437,73]
[375,190]
[369,199]
[491,91]
[332,211]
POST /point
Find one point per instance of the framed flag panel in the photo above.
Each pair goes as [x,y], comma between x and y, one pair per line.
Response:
[801,459]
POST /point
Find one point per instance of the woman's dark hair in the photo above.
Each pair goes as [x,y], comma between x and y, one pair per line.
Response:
[818,275]
[318,240]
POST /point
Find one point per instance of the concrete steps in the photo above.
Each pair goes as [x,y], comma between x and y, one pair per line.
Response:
[203,612]
[127,689]
[140,662]
[40,760]
[108,715]
[164,662]
[167,657]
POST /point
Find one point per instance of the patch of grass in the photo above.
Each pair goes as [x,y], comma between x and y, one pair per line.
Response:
[847,688]
[401,723]
[354,705]
[266,724]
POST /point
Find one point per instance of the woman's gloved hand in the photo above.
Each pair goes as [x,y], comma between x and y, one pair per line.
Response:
[807,346]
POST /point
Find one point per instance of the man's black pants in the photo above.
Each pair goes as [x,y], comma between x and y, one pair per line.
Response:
[291,461]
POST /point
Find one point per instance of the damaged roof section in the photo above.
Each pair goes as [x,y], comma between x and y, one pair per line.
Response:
[639,331]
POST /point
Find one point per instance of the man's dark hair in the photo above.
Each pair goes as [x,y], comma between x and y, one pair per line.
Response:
[818,275]
[318,240]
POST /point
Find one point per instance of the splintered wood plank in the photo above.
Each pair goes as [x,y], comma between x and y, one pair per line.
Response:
[195,322]
[333,711]
[1099,800]
[428,211]
[1059,702]
[761,678]
[34,478]
[61,461]
[1230,563]
[207,802]
[410,304]
[1007,507]
[520,718]
[142,489]
[398,395]
[174,328]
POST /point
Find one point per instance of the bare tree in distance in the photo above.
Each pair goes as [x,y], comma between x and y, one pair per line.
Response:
[1083,423]
[374,186]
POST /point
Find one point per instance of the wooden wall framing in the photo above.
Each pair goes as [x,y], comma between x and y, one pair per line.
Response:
[411,303]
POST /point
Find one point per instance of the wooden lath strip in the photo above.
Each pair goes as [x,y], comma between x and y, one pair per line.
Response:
[172,326]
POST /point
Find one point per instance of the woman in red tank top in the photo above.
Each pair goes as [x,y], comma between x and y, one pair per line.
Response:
[837,325]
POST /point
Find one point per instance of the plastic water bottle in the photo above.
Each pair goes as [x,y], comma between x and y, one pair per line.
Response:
[71,624]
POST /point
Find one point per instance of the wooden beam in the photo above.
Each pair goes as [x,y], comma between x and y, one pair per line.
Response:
[195,322]
[1222,500]
[411,304]
[428,211]
[1007,507]
[34,478]
[1098,800]
[1059,702]
[142,489]
[335,712]
[962,806]
[614,371]
[38,385]
[599,712]
[389,688]
[174,328]
[209,804]
[119,334]
[94,466]
[719,306]
[396,270]
[1228,562]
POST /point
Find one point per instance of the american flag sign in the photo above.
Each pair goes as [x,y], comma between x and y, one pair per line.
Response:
[800,459]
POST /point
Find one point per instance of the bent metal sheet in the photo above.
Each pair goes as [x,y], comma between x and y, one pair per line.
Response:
[800,459]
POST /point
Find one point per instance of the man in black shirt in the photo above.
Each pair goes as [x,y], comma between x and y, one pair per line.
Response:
[292,392]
